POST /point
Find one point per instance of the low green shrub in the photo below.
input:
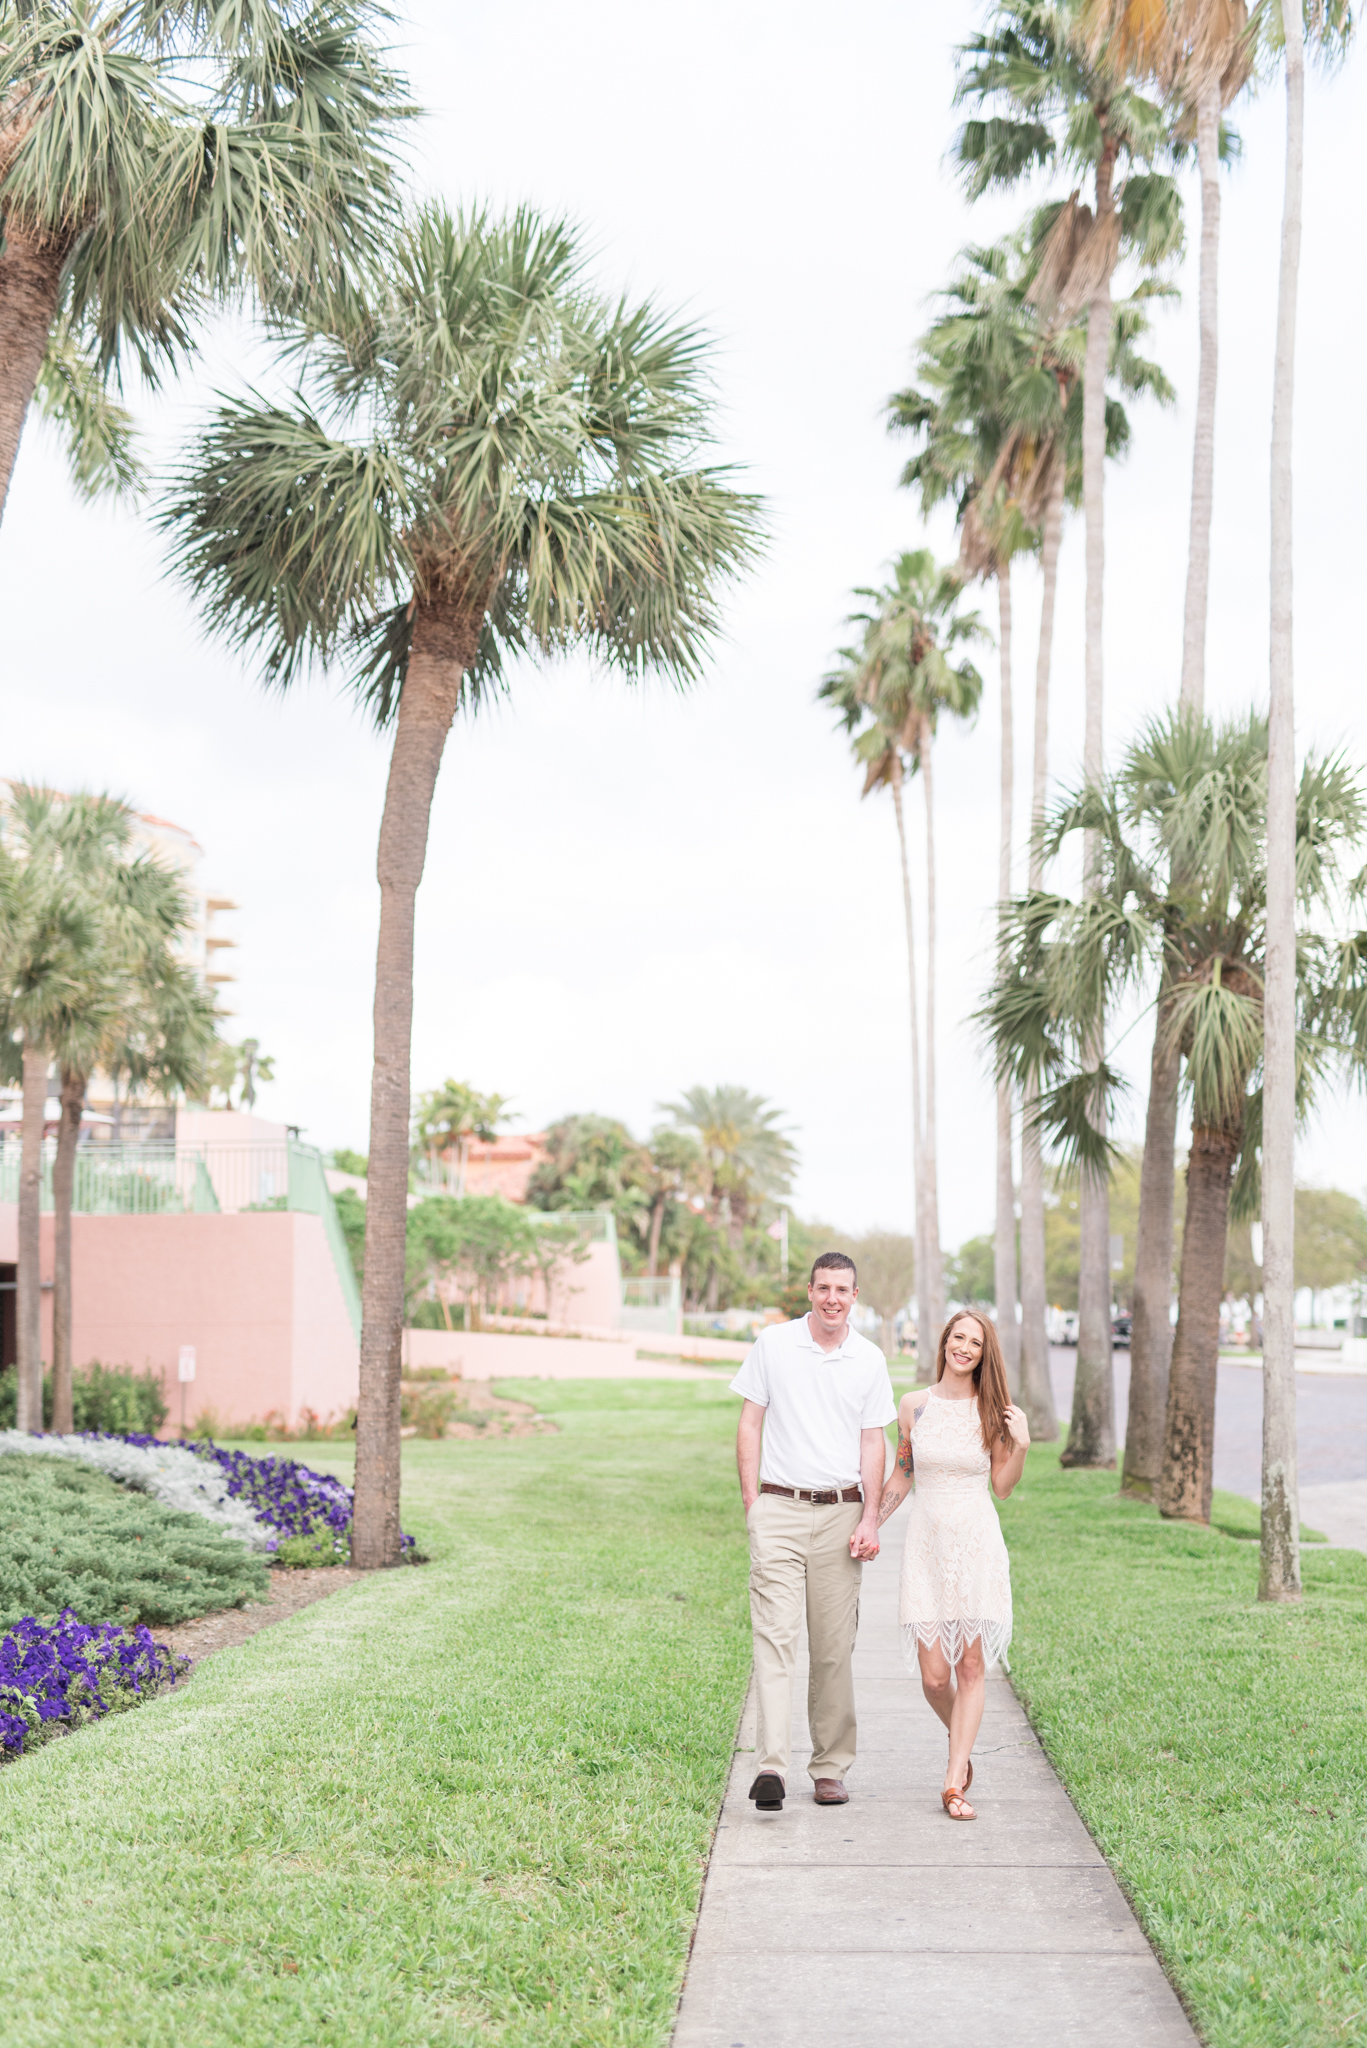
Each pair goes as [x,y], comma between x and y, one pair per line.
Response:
[323,1547]
[430,1411]
[115,1399]
[72,1538]
[427,1315]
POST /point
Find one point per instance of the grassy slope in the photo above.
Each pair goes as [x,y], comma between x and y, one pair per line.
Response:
[468,1802]
[1216,1748]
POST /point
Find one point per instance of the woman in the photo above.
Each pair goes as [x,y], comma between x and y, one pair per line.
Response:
[956,1581]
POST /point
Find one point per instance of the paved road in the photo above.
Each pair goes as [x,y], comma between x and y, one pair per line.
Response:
[1331,1422]
[1008,1928]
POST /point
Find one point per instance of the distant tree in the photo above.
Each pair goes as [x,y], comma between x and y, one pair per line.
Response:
[237,1068]
[346,1161]
[447,1118]
[351,1215]
[677,1172]
[475,1241]
[593,1162]
[1331,1238]
[886,1260]
[971,1272]
[747,1155]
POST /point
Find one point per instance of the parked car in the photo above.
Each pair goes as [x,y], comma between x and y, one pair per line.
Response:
[1121,1327]
[1069,1328]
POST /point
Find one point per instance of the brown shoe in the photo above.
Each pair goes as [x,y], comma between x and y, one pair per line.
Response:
[768,1792]
[830,1792]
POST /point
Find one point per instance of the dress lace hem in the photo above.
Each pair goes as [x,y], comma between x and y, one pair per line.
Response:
[954,1637]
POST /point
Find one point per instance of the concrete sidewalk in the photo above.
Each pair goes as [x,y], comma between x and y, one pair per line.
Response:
[821,1924]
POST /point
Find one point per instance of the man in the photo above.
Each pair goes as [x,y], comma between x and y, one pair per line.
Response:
[817,1400]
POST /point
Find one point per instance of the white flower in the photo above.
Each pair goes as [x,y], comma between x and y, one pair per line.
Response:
[168,1472]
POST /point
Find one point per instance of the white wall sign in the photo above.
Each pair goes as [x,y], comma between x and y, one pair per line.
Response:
[187,1363]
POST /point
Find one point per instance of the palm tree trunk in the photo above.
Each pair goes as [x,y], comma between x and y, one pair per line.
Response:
[30,285]
[657,1217]
[924,1340]
[1091,1436]
[1280,1574]
[28,1287]
[1203,457]
[63,1185]
[935,1274]
[1004,1249]
[1152,1337]
[1189,1436]
[1037,1393]
[444,643]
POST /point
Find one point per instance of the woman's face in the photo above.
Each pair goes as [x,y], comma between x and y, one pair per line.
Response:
[964,1350]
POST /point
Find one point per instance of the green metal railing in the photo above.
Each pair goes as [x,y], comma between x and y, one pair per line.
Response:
[195,1180]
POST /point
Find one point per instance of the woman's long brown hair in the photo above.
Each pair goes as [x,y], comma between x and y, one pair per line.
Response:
[989,1376]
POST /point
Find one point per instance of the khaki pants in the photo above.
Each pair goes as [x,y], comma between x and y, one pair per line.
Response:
[800,1554]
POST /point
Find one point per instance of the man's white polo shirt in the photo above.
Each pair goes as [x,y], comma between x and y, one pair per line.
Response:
[818,1401]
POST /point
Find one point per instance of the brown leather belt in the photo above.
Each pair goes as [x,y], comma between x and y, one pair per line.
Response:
[819,1498]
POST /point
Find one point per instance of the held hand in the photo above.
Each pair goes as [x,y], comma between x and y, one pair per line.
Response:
[1018,1427]
[864,1544]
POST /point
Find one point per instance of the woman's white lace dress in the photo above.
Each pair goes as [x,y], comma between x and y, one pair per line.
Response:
[956,1580]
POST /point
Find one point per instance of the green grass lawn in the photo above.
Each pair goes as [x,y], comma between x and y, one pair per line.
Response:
[465,1803]
[1217,1749]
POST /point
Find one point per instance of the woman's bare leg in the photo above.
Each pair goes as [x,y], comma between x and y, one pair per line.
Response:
[966,1716]
[937,1680]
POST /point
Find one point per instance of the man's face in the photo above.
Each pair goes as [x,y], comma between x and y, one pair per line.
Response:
[832,1294]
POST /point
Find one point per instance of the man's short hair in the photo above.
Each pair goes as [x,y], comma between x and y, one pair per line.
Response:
[835,1262]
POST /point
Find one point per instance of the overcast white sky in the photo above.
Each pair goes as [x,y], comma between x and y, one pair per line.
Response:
[629,893]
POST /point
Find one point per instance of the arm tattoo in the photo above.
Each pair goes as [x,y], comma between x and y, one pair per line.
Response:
[891,1501]
[905,1461]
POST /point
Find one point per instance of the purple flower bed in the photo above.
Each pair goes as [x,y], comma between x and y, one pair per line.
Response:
[67,1672]
[283,1494]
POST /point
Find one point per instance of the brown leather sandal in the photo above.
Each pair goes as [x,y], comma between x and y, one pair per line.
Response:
[952,1796]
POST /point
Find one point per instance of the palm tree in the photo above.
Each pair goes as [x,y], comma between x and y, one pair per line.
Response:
[122,1000]
[1197,52]
[1279,1576]
[749,1158]
[1043,98]
[999,423]
[900,677]
[157,158]
[1183,832]
[490,459]
[450,1116]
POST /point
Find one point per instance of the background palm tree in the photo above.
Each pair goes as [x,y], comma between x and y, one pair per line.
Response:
[1044,98]
[488,459]
[748,1157]
[1198,53]
[157,158]
[448,1117]
[1183,906]
[998,418]
[1280,1573]
[900,677]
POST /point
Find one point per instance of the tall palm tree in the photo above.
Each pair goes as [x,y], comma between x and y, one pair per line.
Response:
[489,459]
[878,751]
[902,677]
[1044,98]
[998,419]
[748,1155]
[1183,907]
[1199,54]
[159,157]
